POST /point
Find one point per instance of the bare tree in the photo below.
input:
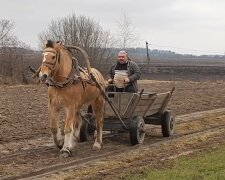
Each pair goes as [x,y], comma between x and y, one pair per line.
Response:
[11,50]
[6,27]
[126,34]
[83,32]
[7,39]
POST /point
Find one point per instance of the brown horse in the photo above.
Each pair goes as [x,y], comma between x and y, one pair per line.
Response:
[70,90]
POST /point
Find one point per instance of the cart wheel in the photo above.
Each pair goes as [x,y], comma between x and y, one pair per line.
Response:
[137,130]
[167,124]
[87,129]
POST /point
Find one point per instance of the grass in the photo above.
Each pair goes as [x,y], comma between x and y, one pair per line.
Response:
[206,166]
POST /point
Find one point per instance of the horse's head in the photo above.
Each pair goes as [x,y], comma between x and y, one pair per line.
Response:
[50,59]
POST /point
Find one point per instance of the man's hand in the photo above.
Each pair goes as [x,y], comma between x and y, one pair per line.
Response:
[126,80]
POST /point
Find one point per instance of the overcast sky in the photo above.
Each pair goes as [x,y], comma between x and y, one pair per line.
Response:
[184,26]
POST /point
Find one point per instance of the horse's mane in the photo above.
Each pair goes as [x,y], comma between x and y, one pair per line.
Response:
[66,50]
[49,44]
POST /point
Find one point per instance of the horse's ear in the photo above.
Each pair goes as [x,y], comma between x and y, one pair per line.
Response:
[49,43]
[59,42]
[57,45]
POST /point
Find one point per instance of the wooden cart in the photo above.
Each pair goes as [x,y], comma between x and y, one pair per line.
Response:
[130,112]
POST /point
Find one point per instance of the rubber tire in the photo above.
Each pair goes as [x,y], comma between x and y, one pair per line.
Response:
[137,130]
[167,124]
[86,131]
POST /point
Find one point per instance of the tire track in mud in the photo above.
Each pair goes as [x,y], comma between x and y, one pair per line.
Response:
[50,153]
[41,150]
[53,152]
[187,118]
[81,162]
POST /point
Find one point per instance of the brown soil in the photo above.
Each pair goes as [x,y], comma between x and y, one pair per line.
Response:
[25,139]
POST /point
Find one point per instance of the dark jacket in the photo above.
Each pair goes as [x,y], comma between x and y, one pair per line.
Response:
[134,73]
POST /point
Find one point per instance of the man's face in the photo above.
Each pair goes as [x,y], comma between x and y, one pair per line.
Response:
[122,58]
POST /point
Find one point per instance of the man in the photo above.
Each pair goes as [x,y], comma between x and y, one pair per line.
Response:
[124,74]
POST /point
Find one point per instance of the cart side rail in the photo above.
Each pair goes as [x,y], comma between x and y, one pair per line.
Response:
[143,105]
[160,103]
[124,102]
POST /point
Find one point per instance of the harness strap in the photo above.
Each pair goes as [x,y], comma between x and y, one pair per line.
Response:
[74,76]
[84,85]
[70,80]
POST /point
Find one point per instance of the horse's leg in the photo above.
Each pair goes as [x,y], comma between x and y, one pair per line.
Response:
[54,125]
[69,142]
[56,133]
[77,126]
[98,108]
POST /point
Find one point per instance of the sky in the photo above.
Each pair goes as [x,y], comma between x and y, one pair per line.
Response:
[184,26]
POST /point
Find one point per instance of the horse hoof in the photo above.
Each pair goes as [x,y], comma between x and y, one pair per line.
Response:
[65,153]
[96,146]
[59,146]
[59,143]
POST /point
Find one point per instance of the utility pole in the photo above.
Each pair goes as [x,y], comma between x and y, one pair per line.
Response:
[148,57]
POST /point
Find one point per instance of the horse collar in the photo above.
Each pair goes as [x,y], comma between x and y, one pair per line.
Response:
[72,79]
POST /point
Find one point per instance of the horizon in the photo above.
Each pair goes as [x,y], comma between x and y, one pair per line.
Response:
[165,51]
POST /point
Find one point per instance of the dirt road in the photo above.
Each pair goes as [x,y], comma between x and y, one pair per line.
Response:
[25,140]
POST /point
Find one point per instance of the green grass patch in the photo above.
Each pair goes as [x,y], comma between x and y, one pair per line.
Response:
[207,166]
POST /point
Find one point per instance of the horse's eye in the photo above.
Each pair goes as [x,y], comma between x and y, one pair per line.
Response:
[53,57]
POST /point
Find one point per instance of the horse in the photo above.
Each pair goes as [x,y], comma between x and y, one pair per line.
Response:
[70,90]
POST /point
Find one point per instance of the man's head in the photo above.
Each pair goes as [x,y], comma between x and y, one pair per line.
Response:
[122,57]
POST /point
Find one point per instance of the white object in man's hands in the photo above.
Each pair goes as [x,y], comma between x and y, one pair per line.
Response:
[119,77]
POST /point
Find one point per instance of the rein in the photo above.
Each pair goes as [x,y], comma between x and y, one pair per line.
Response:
[51,65]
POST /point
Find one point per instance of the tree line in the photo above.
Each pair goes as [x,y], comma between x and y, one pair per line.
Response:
[11,51]
[101,45]
[72,30]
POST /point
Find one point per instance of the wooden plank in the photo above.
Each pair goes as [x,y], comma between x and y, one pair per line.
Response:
[150,104]
[123,108]
[131,106]
[145,102]
[148,96]
[154,109]
[125,98]
[141,108]
[157,103]
[114,98]
[121,102]
[129,103]
[161,97]
[108,112]
[138,113]
[156,106]
[165,102]
[151,112]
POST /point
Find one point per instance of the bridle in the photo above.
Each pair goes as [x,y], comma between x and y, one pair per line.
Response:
[51,65]
[71,79]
